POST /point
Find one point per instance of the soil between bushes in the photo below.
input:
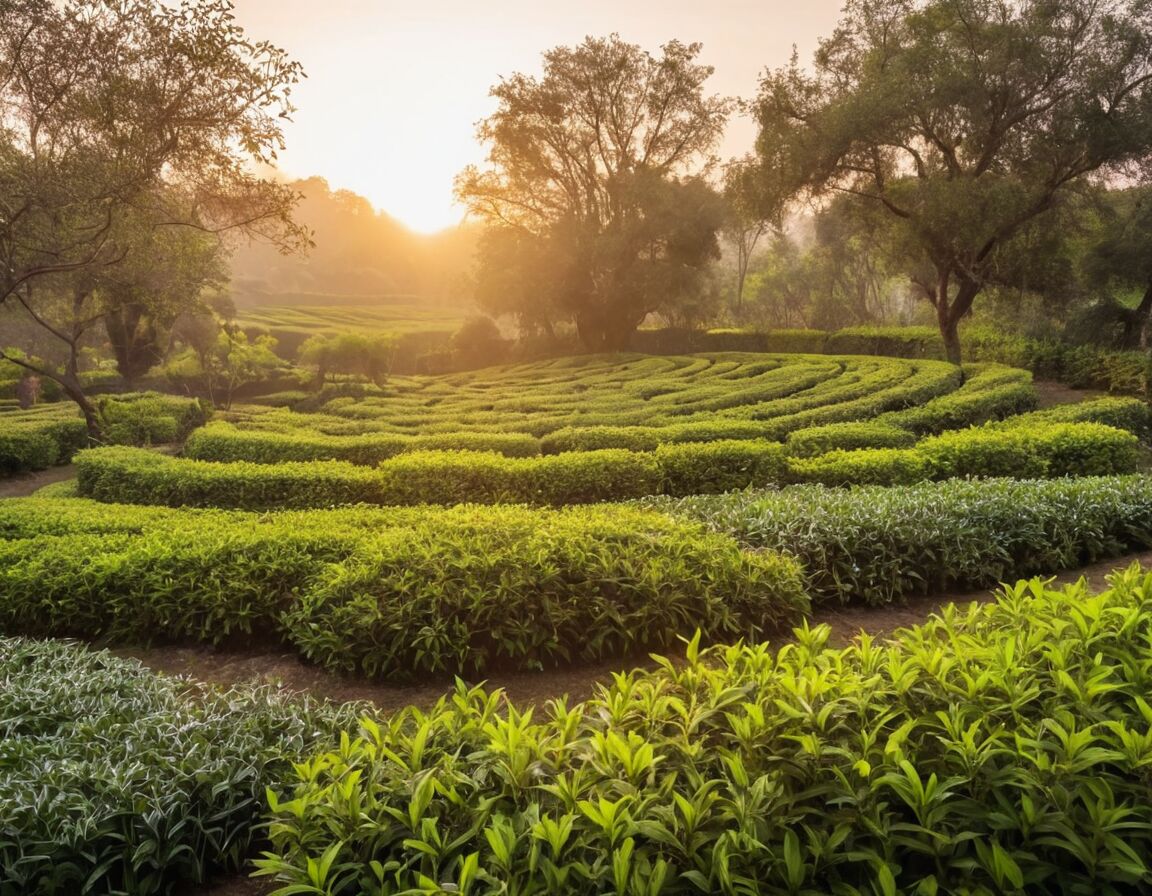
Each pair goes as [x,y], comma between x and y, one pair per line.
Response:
[287,671]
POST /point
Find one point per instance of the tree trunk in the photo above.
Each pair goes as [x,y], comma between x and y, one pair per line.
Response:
[950,311]
[1136,323]
[950,333]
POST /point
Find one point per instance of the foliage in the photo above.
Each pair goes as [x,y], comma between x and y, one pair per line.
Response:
[223,362]
[822,439]
[995,749]
[964,122]
[101,157]
[350,354]
[116,780]
[879,545]
[582,477]
[389,593]
[593,188]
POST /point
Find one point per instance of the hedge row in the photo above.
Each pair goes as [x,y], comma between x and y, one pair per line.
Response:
[384,593]
[880,545]
[791,391]
[995,749]
[1042,450]
[222,441]
[47,435]
[116,780]
[37,442]
[1080,366]
[452,477]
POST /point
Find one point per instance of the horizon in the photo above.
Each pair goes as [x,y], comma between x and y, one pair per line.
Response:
[456,52]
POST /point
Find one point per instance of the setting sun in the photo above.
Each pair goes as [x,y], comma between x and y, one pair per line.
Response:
[394,90]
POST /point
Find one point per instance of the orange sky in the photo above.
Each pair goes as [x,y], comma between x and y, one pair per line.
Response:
[395,89]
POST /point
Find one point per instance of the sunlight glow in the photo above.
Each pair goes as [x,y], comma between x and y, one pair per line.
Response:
[395,89]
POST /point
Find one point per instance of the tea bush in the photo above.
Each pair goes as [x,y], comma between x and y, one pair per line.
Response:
[116,780]
[879,545]
[846,436]
[1129,414]
[535,592]
[225,442]
[452,477]
[1001,748]
[386,592]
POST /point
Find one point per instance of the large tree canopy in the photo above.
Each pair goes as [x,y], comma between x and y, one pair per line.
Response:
[965,120]
[118,118]
[593,177]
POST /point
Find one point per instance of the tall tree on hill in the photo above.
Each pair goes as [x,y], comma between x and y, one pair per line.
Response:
[595,175]
[121,115]
[965,120]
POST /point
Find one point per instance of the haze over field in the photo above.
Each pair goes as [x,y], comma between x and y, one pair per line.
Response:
[394,89]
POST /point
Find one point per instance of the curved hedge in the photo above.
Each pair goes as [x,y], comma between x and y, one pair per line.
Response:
[51,434]
[452,477]
[388,593]
[878,545]
[995,749]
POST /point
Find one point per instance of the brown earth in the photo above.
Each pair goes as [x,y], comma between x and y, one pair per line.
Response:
[25,484]
[1051,393]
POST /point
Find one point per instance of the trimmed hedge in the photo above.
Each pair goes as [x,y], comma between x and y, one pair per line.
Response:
[117,780]
[995,749]
[38,439]
[1131,414]
[47,435]
[455,477]
[990,392]
[879,545]
[817,440]
[225,442]
[388,593]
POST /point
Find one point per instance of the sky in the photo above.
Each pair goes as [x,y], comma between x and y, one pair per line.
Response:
[395,89]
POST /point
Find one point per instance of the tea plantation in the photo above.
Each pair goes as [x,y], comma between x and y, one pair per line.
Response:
[542,516]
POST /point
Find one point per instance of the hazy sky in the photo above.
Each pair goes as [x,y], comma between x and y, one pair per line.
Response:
[394,89]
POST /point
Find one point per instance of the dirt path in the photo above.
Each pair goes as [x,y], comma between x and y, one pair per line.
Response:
[283,669]
[27,483]
[1052,393]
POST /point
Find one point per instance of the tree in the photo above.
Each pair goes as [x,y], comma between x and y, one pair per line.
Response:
[595,177]
[1121,254]
[368,355]
[965,120]
[754,209]
[122,117]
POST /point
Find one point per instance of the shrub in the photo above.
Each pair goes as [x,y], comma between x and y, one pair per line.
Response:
[990,392]
[871,466]
[898,342]
[392,593]
[1130,414]
[452,477]
[116,780]
[847,436]
[149,418]
[995,749]
[879,545]
[594,438]
[523,591]
[140,477]
[226,442]
[1055,449]
[35,440]
[707,467]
